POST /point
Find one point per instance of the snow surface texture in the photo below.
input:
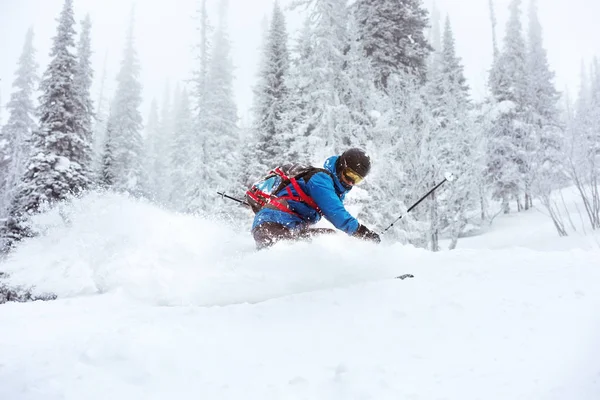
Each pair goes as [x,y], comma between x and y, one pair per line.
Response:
[155,305]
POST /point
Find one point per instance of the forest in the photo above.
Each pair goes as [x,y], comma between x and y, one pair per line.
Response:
[383,75]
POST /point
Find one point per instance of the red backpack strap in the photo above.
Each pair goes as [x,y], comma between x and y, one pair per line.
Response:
[302,197]
[308,200]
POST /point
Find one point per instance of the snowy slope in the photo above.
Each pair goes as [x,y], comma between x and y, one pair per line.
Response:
[157,306]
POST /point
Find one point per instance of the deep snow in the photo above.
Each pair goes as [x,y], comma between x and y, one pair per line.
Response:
[154,305]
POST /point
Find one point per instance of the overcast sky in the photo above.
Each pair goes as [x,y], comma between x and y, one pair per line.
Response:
[165,35]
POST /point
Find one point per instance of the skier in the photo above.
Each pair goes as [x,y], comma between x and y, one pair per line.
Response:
[320,192]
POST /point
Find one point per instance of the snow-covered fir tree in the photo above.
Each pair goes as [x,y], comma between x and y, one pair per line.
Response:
[454,144]
[220,118]
[166,127]
[271,96]
[53,169]
[543,112]
[398,177]
[317,82]
[510,141]
[434,36]
[15,135]
[107,170]
[152,136]
[358,95]
[583,144]
[192,191]
[159,135]
[100,120]
[127,168]
[493,21]
[181,154]
[83,80]
[296,119]
[393,35]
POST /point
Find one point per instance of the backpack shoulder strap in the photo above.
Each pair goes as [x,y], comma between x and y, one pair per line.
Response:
[306,175]
[302,196]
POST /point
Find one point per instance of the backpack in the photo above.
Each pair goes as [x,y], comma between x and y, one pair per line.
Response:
[264,192]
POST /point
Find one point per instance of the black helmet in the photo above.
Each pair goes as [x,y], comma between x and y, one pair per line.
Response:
[355,160]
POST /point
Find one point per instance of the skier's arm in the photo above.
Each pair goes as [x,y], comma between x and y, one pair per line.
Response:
[320,188]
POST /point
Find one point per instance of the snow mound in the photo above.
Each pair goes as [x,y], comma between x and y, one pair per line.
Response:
[107,243]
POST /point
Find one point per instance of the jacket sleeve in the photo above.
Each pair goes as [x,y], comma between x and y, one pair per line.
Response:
[320,188]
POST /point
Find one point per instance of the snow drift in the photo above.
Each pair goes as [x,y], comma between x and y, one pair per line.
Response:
[107,242]
[326,321]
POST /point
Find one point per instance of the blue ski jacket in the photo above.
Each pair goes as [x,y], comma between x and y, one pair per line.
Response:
[327,191]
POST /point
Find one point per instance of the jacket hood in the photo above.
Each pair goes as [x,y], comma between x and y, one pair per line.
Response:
[330,166]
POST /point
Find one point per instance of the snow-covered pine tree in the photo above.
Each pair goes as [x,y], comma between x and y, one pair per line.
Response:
[398,177]
[493,22]
[53,170]
[201,73]
[100,121]
[84,114]
[543,112]
[454,143]
[192,192]
[15,135]
[107,168]
[510,144]
[152,148]
[358,95]
[271,97]
[164,141]
[221,119]
[317,83]
[393,35]
[159,134]
[126,123]
[296,118]
[583,144]
[181,154]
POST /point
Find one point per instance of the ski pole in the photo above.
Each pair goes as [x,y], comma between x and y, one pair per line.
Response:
[234,199]
[449,177]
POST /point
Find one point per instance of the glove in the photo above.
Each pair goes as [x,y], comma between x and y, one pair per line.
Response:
[365,233]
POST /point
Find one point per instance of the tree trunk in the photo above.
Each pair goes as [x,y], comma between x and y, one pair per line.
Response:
[505,204]
[433,230]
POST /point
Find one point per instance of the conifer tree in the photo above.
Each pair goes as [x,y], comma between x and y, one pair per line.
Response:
[222,133]
[493,22]
[83,80]
[53,170]
[201,72]
[271,95]
[453,142]
[393,35]
[16,134]
[181,154]
[543,111]
[583,145]
[510,140]
[300,107]
[159,135]
[199,98]
[152,148]
[318,82]
[107,168]
[100,121]
[126,123]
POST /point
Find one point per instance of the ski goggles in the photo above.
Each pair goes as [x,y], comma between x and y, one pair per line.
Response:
[351,176]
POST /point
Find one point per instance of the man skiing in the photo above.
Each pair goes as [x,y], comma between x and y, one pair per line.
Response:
[320,192]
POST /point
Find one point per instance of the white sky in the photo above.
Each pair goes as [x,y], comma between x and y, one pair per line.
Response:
[165,36]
